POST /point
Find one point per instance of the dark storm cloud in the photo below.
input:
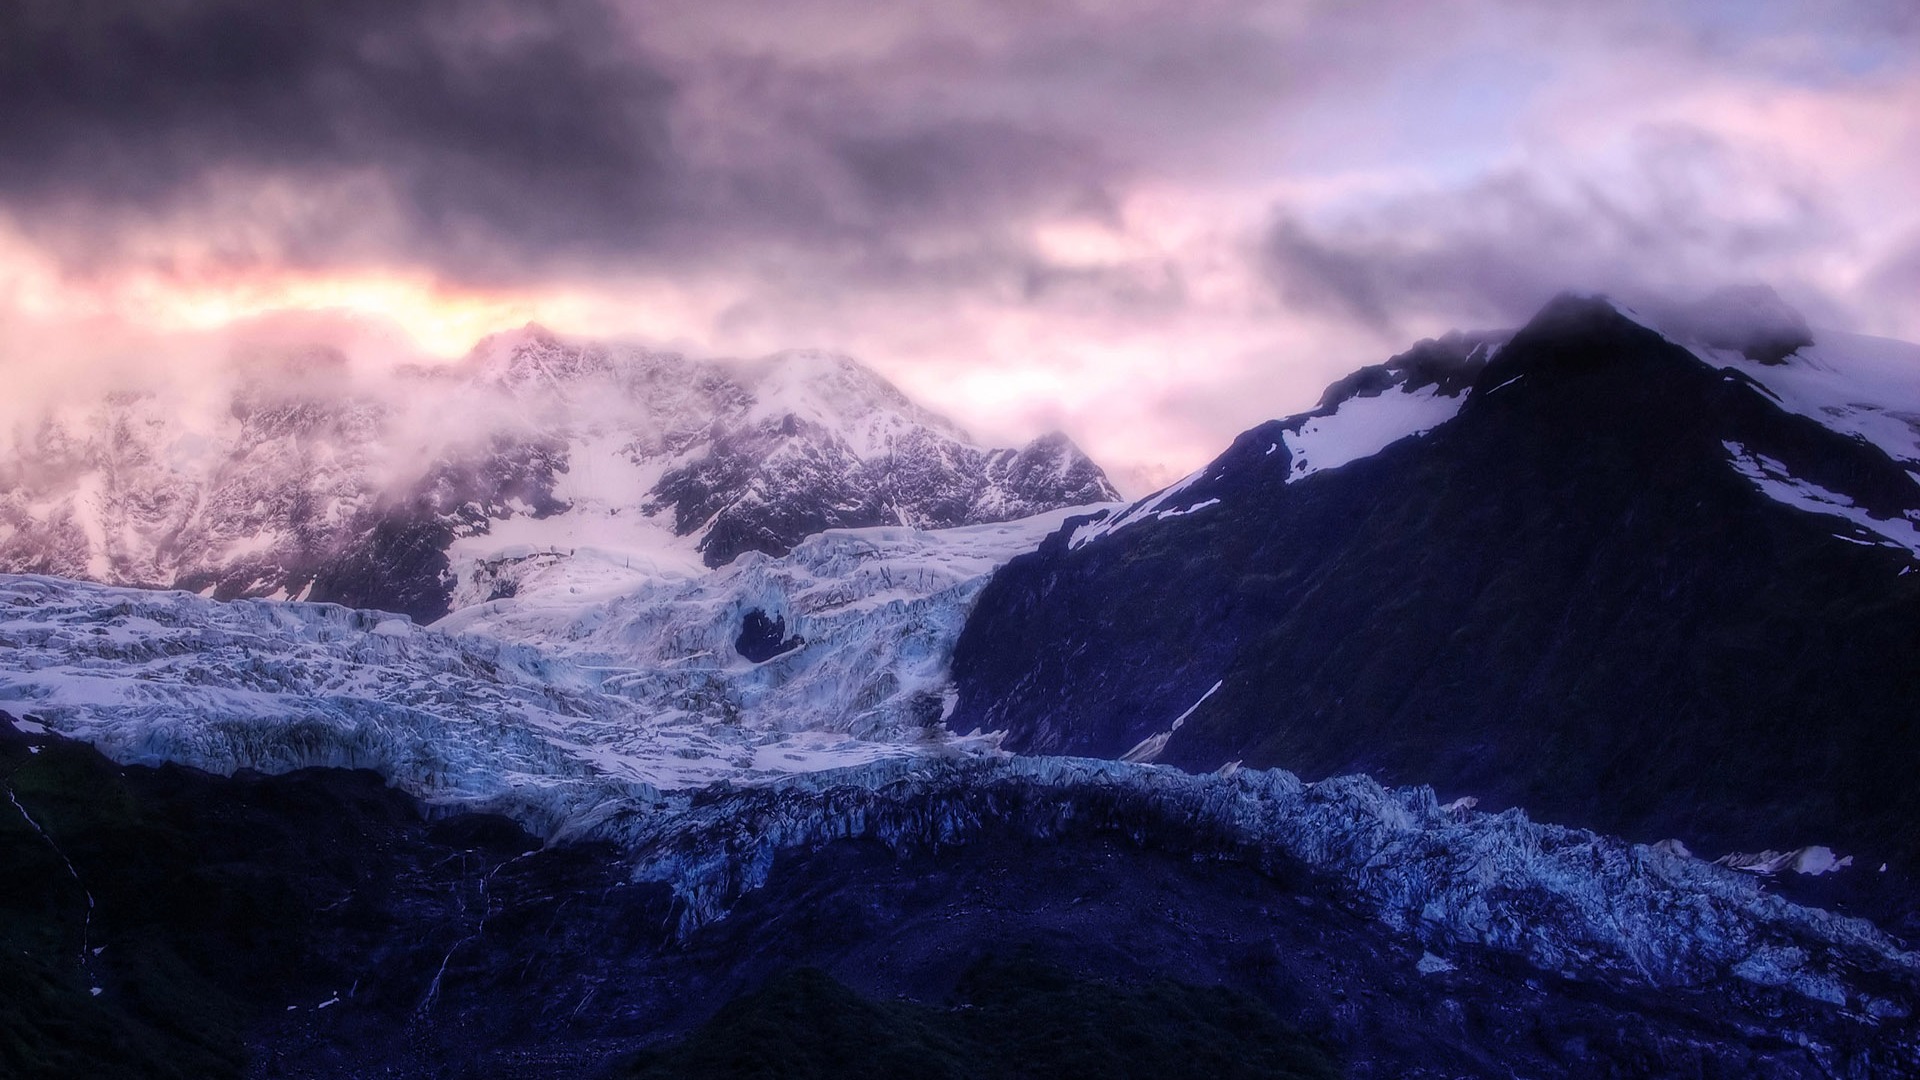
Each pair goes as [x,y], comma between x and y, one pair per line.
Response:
[495,135]
[473,113]
[836,154]
[961,171]
[501,142]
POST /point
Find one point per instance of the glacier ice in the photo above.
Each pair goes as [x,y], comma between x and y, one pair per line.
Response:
[1566,900]
[708,801]
[546,704]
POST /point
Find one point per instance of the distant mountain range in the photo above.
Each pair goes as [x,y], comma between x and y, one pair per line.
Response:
[304,482]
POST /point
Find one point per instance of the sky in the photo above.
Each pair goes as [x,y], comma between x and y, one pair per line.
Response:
[1149,223]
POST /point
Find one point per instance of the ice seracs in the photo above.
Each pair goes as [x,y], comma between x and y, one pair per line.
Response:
[582,687]
[1564,900]
[875,613]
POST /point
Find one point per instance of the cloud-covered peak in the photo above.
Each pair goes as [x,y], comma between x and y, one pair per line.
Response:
[1148,223]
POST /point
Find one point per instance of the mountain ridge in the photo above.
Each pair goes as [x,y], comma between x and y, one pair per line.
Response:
[1572,596]
[305,484]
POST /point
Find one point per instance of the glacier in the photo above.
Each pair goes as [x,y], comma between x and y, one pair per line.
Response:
[550,705]
[748,767]
[1565,900]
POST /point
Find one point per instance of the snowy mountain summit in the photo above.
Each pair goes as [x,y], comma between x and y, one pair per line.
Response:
[422,489]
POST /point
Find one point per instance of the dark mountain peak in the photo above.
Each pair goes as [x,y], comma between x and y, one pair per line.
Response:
[1449,363]
[1052,447]
[1589,317]
[1580,336]
[1565,589]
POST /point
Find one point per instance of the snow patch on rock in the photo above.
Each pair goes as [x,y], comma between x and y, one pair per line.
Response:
[1772,478]
[1814,860]
[1363,426]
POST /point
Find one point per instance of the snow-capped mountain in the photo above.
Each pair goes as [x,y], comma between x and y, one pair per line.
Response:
[419,491]
[1658,575]
[1648,573]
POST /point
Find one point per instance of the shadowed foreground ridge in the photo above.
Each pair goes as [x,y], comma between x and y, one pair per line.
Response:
[1007,1019]
[1565,900]
[319,924]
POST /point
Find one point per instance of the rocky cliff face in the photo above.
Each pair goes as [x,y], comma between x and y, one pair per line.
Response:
[302,480]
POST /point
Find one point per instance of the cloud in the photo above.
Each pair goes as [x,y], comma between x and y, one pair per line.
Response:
[1688,212]
[1895,282]
[488,141]
[1147,221]
[495,142]
[528,125]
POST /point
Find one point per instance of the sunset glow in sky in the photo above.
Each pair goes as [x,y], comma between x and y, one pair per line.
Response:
[1150,224]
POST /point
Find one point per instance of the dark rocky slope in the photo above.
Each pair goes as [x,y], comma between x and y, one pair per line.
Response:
[1567,598]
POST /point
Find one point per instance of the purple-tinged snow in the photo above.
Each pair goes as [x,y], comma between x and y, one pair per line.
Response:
[1772,478]
[1861,386]
[1361,427]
